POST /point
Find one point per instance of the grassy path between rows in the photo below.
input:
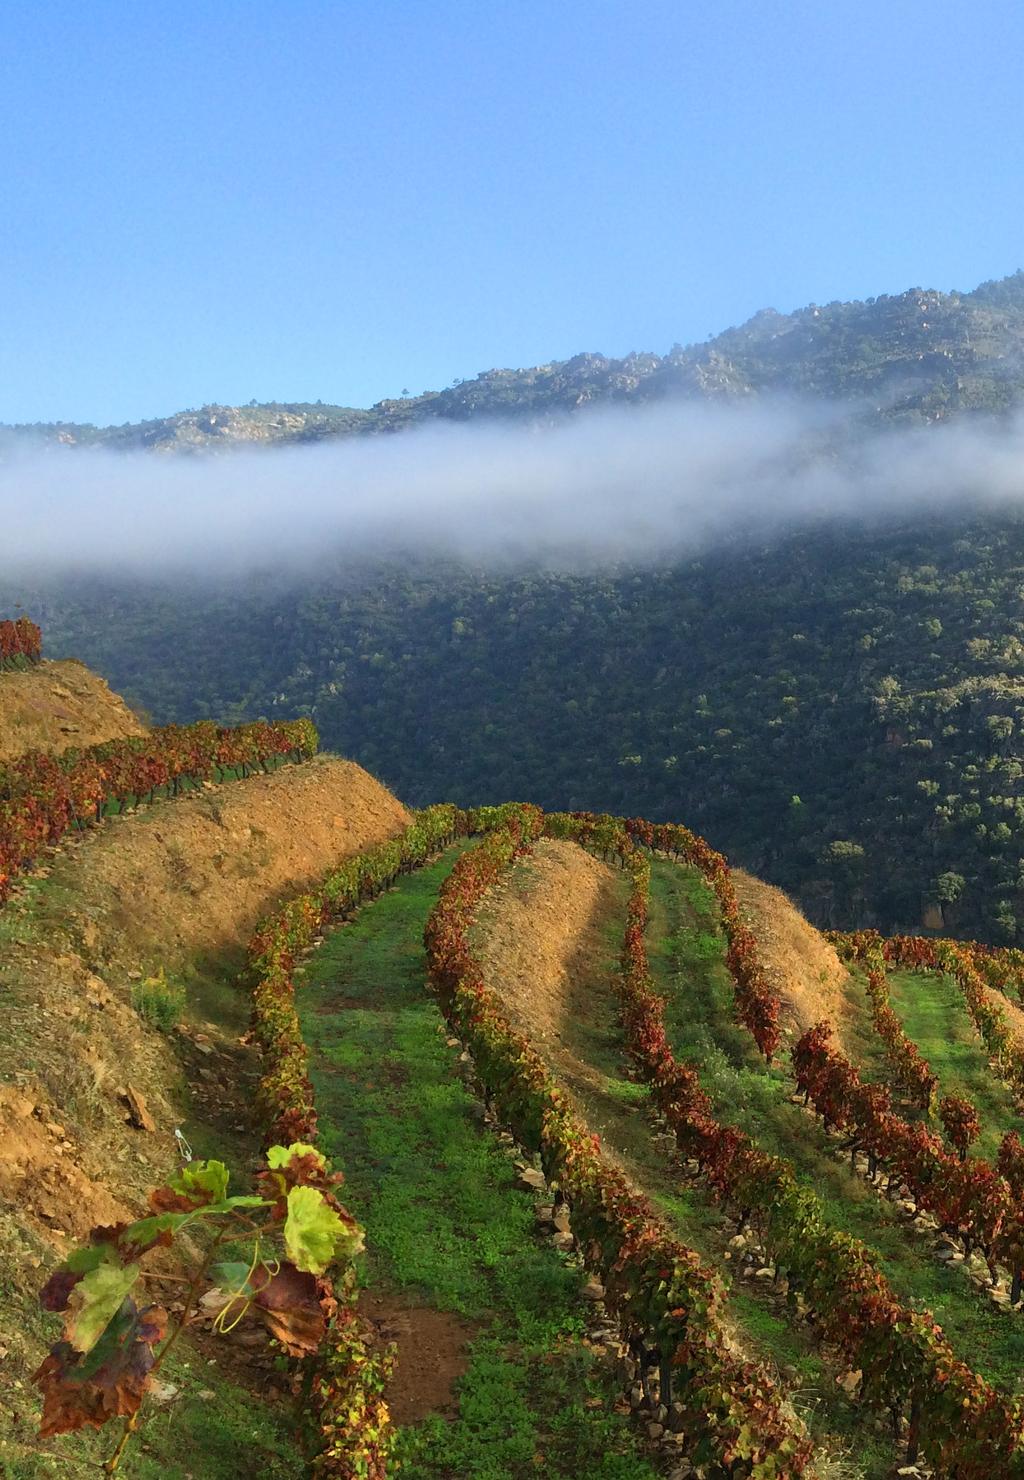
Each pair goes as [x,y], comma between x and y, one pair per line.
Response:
[447,1228]
[686,952]
[932,1010]
[589,1060]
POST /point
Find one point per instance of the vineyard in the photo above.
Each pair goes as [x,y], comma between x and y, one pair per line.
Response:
[21,643]
[543,1170]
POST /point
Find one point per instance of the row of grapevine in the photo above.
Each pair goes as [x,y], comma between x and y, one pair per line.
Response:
[1001,967]
[916,953]
[665,1300]
[21,642]
[957,1421]
[967,1195]
[42,796]
[285,1095]
[347,1388]
[757,1002]
[113,1347]
[911,1071]
[912,1074]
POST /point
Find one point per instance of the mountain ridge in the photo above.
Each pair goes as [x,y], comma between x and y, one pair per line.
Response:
[920,356]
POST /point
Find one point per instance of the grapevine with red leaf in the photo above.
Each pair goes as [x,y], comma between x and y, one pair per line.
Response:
[757,1002]
[963,964]
[43,796]
[960,1122]
[264,1256]
[955,1420]
[666,1302]
[970,1201]
[1002,967]
[347,1387]
[285,1095]
[912,1074]
[21,643]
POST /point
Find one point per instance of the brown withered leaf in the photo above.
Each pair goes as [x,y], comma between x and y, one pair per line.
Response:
[289,1304]
[109,1382]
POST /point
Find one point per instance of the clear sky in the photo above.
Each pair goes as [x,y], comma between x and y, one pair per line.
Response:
[324,199]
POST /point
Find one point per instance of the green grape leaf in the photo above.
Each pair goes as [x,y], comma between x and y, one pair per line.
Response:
[231,1276]
[280,1156]
[199,1184]
[81,1261]
[95,1301]
[313,1231]
[142,1235]
[210,1177]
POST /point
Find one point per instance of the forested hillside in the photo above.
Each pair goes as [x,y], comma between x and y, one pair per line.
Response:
[840,710]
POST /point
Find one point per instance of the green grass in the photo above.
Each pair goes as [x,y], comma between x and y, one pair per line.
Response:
[446,1225]
[704,1033]
[935,1018]
[39,903]
[934,1015]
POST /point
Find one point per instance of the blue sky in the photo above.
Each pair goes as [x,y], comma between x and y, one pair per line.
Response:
[301,200]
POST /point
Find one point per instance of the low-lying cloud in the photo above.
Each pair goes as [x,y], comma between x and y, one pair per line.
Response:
[608,484]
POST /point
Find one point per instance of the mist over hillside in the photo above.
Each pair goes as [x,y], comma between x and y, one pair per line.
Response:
[647,484]
[794,620]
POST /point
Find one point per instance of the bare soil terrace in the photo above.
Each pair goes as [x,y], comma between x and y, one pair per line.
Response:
[178,885]
[804,969]
[54,706]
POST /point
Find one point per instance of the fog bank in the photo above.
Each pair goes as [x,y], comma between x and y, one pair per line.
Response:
[607,484]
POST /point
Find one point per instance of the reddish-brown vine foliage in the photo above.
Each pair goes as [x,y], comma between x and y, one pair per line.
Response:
[661,1294]
[21,642]
[43,796]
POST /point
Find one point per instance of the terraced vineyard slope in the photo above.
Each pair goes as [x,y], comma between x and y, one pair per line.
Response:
[615,1166]
[124,1025]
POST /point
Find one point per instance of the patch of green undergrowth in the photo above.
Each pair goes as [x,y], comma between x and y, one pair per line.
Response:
[446,1224]
[158,1001]
[932,1010]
